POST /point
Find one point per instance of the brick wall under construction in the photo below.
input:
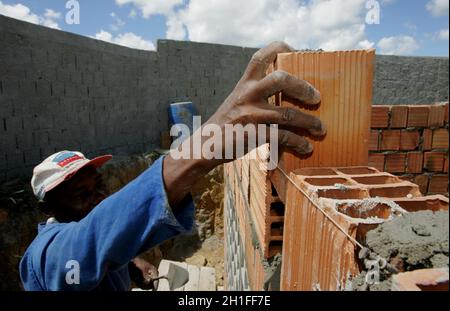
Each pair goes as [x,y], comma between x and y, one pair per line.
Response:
[301,227]
[305,241]
[412,142]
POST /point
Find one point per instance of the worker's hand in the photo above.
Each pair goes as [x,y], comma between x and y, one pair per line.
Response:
[248,104]
[147,273]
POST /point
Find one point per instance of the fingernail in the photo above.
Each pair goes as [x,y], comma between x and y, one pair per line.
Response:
[323,129]
[317,97]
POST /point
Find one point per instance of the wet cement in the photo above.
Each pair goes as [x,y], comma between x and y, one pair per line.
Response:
[414,241]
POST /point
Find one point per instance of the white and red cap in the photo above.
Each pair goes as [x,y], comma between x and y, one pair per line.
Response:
[60,167]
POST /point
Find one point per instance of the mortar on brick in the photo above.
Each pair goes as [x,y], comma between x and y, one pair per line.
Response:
[414,241]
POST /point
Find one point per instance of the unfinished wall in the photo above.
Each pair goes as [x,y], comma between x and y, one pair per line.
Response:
[412,142]
[63,91]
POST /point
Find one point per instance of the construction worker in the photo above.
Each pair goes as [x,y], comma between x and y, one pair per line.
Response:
[91,239]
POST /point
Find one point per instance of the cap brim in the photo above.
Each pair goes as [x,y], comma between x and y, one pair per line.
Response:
[99,161]
[96,162]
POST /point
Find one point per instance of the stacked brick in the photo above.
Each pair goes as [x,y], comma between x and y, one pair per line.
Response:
[412,142]
[343,80]
[311,216]
[245,263]
[317,254]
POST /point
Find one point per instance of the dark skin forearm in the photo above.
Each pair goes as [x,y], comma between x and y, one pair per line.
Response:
[180,175]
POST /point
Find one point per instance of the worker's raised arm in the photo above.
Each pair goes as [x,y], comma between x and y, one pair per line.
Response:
[156,206]
[122,226]
[248,105]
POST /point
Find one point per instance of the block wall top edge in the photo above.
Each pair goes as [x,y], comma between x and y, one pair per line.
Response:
[300,52]
[24,28]
[187,43]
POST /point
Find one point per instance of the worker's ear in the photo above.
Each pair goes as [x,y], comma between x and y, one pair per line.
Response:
[45,208]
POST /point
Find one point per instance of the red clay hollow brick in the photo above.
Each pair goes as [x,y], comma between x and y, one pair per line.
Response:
[409,178]
[421,280]
[434,161]
[436,116]
[399,116]
[414,162]
[380,116]
[433,203]
[316,253]
[395,163]
[373,140]
[376,160]
[409,140]
[418,116]
[440,139]
[422,182]
[427,139]
[445,170]
[390,140]
[438,184]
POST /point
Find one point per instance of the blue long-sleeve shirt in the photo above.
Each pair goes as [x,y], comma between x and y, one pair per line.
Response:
[102,244]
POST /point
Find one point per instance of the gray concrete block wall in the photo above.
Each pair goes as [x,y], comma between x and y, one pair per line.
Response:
[199,72]
[410,80]
[235,264]
[63,91]
[60,91]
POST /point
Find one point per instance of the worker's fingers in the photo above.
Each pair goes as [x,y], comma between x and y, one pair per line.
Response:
[261,60]
[290,86]
[294,142]
[291,118]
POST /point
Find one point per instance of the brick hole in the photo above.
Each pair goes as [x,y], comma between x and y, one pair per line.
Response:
[376,180]
[273,190]
[326,181]
[431,205]
[277,209]
[4,124]
[315,172]
[1,87]
[443,286]
[392,192]
[365,210]
[276,228]
[275,247]
[357,170]
[342,194]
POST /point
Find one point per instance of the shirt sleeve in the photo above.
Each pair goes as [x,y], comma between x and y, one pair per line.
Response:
[122,226]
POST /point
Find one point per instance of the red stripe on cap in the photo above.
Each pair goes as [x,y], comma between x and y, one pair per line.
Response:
[69,160]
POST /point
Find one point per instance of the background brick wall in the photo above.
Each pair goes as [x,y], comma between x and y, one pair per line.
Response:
[63,91]
[412,142]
